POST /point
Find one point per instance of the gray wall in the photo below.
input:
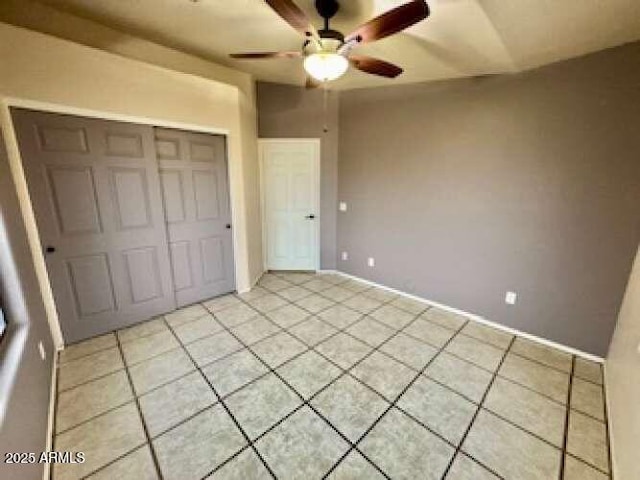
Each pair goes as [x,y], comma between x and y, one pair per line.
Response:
[286,111]
[25,380]
[466,189]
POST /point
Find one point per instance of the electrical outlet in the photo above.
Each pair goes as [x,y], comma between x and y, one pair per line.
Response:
[345,256]
[371,262]
[43,353]
[342,206]
[510,298]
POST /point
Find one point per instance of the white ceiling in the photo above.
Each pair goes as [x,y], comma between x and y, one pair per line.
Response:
[461,37]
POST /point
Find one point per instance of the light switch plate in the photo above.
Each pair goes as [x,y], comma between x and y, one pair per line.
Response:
[342,206]
[371,262]
[345,256]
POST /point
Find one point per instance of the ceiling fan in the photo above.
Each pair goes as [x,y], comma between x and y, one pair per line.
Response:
[327,52]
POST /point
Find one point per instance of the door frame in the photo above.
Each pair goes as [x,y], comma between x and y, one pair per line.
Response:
[17,169]
[315,142]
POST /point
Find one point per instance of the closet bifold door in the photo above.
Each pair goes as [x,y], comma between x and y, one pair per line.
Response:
[195,188]
[95,190]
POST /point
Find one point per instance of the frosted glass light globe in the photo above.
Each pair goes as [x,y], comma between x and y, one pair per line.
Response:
[326,66]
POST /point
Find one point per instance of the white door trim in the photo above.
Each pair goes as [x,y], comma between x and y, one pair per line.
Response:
[15,164]
[315,142]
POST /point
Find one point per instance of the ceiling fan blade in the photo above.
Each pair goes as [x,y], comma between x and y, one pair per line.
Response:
[375,66]
[391,22]
[311,82]
[292,14]
[265,55]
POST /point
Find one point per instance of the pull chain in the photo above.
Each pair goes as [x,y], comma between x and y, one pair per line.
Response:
[325,102]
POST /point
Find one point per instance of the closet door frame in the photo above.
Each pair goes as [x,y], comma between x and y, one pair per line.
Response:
[242,282]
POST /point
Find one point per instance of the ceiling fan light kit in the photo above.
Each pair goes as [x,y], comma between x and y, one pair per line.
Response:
[327,52]
[326,66]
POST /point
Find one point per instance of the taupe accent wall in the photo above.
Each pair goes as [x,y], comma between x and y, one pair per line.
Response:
[286,111]
[465,189]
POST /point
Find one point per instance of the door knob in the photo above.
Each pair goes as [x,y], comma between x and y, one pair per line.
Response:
[310,217]
[228,225]
[50,249]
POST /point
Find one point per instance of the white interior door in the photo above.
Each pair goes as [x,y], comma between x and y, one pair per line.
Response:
[290,192]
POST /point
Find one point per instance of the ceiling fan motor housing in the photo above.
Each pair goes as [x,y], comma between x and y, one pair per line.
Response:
[331,39]
[327,8]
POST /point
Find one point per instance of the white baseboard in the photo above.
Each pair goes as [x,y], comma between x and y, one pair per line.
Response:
[52,412]
[474,317]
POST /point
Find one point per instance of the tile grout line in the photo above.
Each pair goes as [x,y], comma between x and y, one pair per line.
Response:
[402,330]
[590,465]
[350,373]
[226,408]
[421,372]
[567,422]
[392,404]
[567,418]
[111,462]
[517,336]
[511,380]
[344,371]
[263,314]
[124,366]
[453,445]
[477,412]
[101,414]
[606,423]
[181,347]
[115,460]
[519,427]
[427,307]
[91,380]
[308,349]
[520,355]
[115,334]
[142,420]
[82,357]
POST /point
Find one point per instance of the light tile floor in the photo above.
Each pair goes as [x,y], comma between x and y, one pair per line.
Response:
[314,376]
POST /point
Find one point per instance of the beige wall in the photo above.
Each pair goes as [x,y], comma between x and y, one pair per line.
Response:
[622,376]
[78,79]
